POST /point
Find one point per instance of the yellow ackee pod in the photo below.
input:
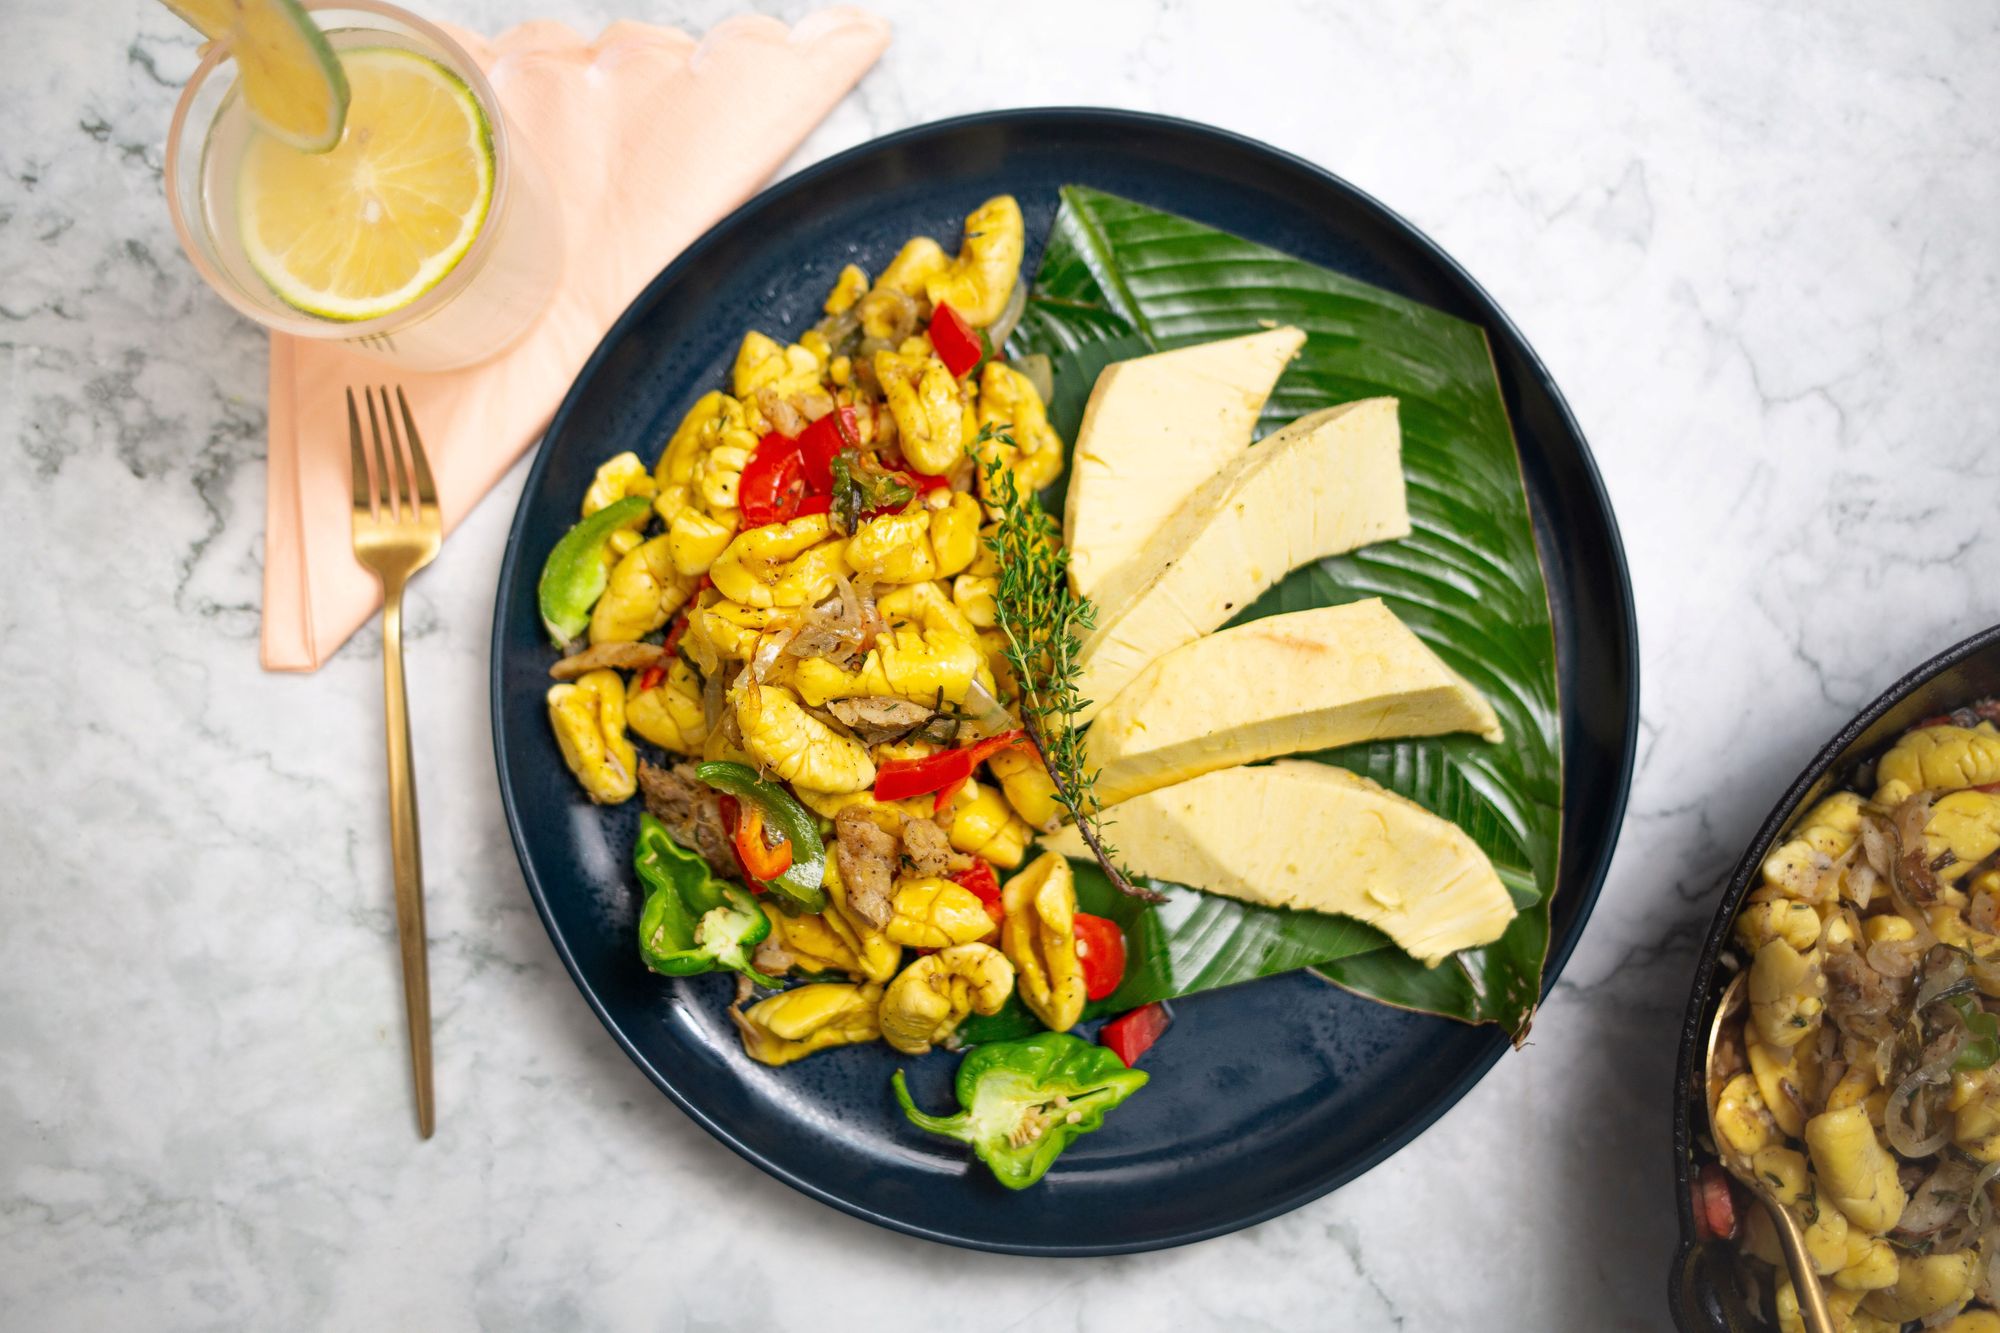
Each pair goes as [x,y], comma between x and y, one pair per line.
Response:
[588,716]
[670,714]
[795,1023]
[1038,935]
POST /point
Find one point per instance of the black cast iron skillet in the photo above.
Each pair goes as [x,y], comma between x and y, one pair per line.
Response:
[1701,1291]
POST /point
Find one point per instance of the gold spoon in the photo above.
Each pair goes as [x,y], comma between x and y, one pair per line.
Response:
[1812,1299]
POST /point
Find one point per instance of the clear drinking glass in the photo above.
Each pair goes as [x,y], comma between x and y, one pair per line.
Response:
[478,309]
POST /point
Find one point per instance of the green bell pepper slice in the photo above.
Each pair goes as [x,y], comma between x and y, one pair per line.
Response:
[575,575]
[802,883]
[1025,1101]
[692,922]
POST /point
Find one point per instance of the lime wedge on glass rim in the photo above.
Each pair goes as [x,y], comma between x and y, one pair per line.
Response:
[291,80]
[367,227]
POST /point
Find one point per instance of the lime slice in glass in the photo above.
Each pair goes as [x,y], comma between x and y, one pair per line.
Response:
[366,228]
[291,79]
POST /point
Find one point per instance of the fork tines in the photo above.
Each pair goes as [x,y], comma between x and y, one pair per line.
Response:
[397,494]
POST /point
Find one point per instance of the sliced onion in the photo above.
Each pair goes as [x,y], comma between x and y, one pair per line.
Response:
[1859,999]
[1893,958]
[1877,843]
[770,647]
[850,603]
[1862,884]
[1039,372]
[872,624]
[818,641]
[1000,329]
[813,403]
[1988,1286]
[1885,1059]
[828,632]
[1901,1136]
[984,712]
[1944,1196]
[1935,1072]
[1906,905]
[745,690]
[837,329]
[1980,1206]
[1913,873]
[1944,976]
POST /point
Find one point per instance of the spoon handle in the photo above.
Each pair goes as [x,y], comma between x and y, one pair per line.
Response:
[1805,1281]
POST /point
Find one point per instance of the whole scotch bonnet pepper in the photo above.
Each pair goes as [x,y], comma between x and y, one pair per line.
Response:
[1025,1101]
[803,882]
[692,922]
[575,574]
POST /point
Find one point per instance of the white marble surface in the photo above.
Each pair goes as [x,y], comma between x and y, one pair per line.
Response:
[1758,244]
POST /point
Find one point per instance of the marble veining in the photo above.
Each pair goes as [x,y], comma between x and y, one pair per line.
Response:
[1756,245]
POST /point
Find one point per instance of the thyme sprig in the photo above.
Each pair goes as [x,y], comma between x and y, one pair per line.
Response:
[1043,621]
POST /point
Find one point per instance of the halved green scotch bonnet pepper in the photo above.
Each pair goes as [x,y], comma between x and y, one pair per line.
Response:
[692,922]
[1025,1101]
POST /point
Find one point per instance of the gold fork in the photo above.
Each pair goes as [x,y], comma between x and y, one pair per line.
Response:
[396,533]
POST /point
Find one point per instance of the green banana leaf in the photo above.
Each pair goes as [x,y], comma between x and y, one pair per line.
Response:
[1119,279]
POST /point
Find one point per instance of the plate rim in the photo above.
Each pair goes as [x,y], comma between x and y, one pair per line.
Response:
[1590,878]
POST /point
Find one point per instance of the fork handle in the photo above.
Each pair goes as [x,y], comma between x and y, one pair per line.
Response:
[408,858]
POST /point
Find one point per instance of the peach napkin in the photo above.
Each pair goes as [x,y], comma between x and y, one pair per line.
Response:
[649,136]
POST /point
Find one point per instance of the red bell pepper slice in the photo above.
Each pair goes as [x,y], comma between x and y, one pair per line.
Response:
[760,860]
[773,482]
[992,745]
[675,631]
[946,795]
[732,812]
[1100,951]
[983,885]
[900,779]
[1131,1035]
[956,342]
[922,482]
[651,677]
[1714,1204]
[821,443]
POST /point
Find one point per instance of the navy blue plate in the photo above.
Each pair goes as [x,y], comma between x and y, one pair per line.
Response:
[1264,1096]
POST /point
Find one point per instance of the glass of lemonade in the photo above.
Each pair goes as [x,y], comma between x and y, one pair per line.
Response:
[427,236]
